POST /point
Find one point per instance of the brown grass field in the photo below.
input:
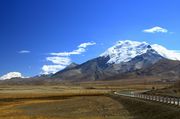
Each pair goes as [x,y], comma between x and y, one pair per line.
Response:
[88,100]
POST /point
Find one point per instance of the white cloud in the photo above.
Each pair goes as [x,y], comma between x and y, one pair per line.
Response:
[59,63]
[81,49]
[74,52]
[156,29]
[48,69]
[11,75]
[24,51]
[84,45]
[60,60]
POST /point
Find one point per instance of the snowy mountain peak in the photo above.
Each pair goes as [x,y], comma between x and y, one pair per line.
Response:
[129,42]
[11,75]
[124,51]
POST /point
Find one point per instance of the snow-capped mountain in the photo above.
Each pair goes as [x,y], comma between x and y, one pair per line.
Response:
[11,75]
[125,60]
[169,54]
[124,51]
[125,56]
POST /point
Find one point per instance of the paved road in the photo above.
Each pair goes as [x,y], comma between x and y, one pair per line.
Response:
[166,100]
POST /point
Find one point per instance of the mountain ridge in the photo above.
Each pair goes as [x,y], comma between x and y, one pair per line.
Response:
[124,57]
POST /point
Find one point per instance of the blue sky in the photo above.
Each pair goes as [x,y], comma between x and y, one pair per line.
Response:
[32,29]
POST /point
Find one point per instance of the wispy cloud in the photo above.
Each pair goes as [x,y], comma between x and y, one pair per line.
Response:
[80,50]
[156,29]
[84,45]
[74,52]
[60,60]
[24,51]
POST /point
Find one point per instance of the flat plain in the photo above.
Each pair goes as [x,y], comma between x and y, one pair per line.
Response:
[90,100]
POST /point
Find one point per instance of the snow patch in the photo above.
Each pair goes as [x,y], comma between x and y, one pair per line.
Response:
[169,54]
[11,75]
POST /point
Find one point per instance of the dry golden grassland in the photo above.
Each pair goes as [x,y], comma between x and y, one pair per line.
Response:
[78,101]
[58,102]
